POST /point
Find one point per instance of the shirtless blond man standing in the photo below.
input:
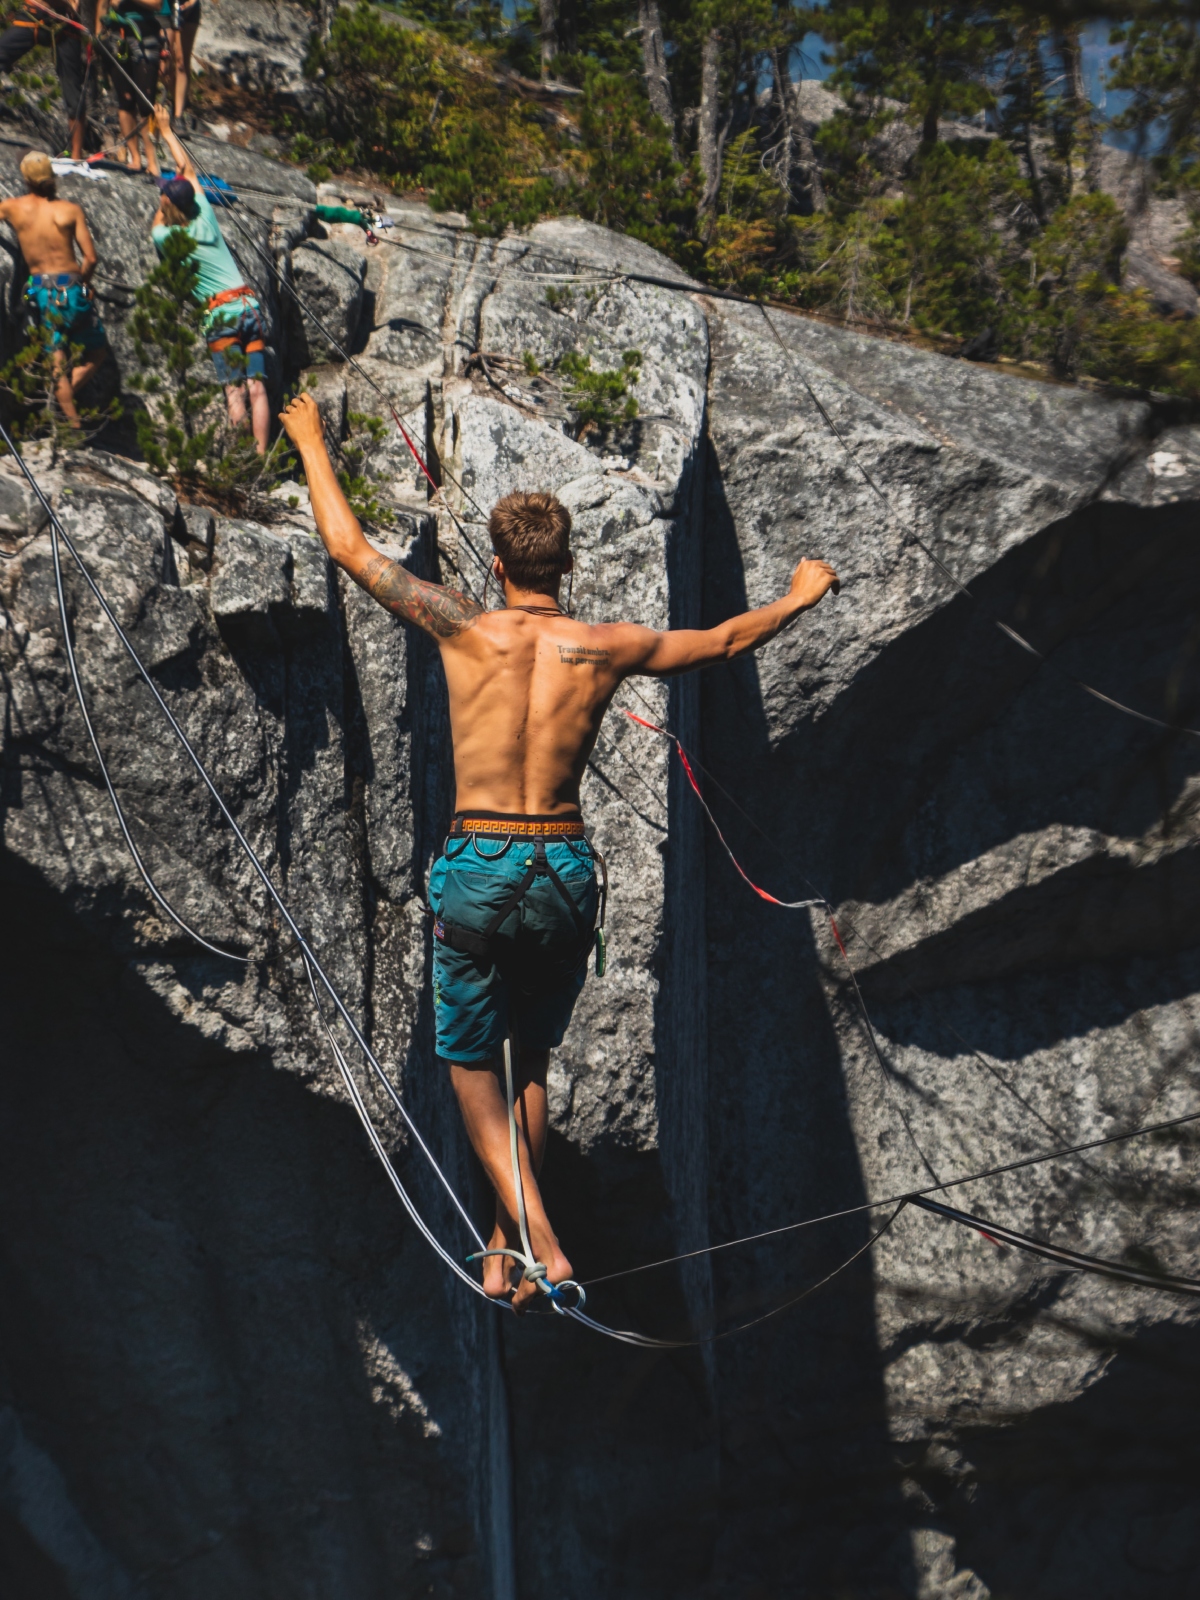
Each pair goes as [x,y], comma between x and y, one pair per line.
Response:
[49,231]
[528,687]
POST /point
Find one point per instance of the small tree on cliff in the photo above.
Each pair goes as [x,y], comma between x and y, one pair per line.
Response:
[182,433]
[167,340]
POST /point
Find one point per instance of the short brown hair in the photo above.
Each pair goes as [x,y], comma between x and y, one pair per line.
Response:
[530,533]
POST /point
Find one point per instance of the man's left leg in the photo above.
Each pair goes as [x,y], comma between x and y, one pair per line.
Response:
[63,392]
[483,1102]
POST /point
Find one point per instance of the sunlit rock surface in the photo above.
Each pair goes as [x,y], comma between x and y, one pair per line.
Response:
[230,1364]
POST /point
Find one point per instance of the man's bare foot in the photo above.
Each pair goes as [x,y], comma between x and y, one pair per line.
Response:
[558,1268]
[498,1270]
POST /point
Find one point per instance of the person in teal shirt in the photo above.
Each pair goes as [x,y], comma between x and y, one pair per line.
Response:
[233,318]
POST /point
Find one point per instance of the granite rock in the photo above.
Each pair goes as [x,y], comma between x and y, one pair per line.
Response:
[229,1364]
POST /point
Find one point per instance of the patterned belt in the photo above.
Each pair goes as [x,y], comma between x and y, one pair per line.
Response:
[506,824]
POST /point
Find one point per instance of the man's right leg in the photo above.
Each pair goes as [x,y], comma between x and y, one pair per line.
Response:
[484,1105]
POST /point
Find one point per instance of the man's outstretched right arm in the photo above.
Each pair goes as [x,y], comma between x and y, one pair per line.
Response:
[440,611]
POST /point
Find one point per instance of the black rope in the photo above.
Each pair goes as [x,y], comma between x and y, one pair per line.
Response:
[1065,1258]
[912,1197]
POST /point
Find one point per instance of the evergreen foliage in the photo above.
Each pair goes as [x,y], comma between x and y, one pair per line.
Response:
[595,397]
[27,383]
[1000,239]
[175,377]
[182,431]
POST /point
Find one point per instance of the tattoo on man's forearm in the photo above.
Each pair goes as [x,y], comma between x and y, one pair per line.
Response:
[443,612]
[579,655]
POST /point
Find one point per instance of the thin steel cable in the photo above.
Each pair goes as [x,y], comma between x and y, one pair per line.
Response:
[69,648]
[766,1316]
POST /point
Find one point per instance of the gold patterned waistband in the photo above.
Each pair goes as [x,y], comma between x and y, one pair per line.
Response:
[517,827]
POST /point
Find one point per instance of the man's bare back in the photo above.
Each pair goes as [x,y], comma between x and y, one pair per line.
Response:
[48,231]
[528,687]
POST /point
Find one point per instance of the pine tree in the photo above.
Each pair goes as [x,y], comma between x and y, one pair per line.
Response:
[168,343]
[932,58]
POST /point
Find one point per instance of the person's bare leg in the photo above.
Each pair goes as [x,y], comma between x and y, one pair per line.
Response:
[63,391]
[87,370]
[151,151]
[185,40]
[533,1119]
[235,405]
[128,125]
[76,127]
[260,413]
[481,1099]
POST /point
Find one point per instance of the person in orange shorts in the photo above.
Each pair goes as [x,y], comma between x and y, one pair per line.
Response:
[233,319]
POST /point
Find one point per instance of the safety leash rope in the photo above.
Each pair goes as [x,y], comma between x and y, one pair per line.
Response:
[787,905]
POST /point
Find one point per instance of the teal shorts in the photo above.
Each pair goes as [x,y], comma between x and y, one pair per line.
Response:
[479,1002]
[62,303]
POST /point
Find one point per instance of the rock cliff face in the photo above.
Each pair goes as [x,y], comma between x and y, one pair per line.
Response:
[229,1364]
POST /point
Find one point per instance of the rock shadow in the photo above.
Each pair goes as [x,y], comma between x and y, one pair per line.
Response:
[1099,1495]
[810,1500]
[206,1322]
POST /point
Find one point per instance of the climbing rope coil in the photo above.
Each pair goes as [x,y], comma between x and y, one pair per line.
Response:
[324,993]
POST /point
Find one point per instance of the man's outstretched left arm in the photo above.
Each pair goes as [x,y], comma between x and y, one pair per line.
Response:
[437,610]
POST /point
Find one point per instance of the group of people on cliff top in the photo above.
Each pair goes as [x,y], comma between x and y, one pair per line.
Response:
[60,256]
[53,235]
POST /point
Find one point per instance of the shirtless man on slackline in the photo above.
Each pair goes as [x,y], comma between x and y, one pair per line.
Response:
[529,687]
